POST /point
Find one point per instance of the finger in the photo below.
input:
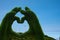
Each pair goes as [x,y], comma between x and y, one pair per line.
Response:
[16,9]
[27,9]
[23,12]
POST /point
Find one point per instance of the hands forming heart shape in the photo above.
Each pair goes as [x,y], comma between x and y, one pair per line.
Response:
[35,28]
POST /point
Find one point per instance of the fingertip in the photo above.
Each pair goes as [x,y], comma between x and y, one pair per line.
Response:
[26,8]
[16,9]
[22,11]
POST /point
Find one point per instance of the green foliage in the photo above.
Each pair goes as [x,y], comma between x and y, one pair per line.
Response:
[34,33]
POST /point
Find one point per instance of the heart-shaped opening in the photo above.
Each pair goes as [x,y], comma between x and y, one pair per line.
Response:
[20,28]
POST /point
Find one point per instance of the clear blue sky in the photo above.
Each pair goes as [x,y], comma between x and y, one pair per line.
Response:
[47,11]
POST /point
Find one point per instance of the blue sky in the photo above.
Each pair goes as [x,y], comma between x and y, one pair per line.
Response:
[47,11]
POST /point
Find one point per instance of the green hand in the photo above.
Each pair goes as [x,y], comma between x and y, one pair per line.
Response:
[33,22]
[7,22]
